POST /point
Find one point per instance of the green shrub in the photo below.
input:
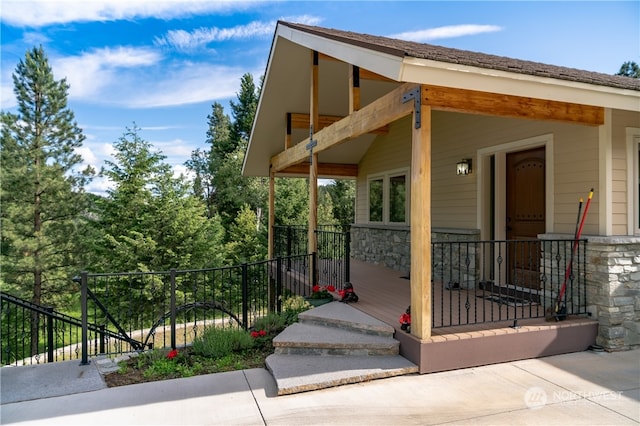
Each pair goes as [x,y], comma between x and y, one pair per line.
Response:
[292,306]
[216,342]
[272,323]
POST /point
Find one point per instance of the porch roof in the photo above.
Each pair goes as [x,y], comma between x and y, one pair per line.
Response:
[286,87]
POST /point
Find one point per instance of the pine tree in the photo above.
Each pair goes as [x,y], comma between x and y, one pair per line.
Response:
[244,111]
[42,187]
[629,69]
[149,221]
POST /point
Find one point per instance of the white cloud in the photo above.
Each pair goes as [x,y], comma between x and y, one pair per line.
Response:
[173,149]
[47,12]
[92,73]
[449,31]
[179,84]
[184,40]
[187,40]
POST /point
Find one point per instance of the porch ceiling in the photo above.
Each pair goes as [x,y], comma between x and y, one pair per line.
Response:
[287,89]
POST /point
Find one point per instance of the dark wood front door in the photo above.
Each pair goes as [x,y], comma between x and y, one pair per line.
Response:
[525,215]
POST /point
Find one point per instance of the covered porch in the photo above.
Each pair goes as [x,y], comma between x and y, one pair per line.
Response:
[385,294]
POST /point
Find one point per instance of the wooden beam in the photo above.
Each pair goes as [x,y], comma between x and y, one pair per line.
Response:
[354,88]
[302,120]
[381,112]
[476,102]
[421,226]
[324,170]
[314,120]
[272,214]
[287,136]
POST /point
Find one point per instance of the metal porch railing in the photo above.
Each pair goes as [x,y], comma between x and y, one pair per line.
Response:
[333,255]
[490,281]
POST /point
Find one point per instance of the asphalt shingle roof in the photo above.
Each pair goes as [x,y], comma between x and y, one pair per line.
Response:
[404,48]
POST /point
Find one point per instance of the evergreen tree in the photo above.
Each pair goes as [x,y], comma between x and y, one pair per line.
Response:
[42,188]
[206,163]
[149,220]
[343,195]
[629,69]
[292,201]
[244,111]
[246,243]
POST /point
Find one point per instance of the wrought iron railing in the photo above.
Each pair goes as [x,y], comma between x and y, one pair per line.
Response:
[333,250]
[490,281]
[124,312]
[33,334]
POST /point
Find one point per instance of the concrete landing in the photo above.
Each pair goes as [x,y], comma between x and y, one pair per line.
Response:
[333,345]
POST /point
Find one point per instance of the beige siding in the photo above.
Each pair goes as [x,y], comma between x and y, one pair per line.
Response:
[621,120]
[457,136]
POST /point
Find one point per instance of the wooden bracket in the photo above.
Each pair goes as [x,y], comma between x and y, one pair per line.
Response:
[417,103]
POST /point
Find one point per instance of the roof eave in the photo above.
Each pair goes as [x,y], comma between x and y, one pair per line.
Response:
[425,71]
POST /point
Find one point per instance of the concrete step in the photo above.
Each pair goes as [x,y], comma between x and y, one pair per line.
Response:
[310,339]
[341,315]
[301,373]
[332,345]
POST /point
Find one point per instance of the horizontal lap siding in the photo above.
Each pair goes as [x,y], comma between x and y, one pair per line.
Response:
[621,120]
[456,136]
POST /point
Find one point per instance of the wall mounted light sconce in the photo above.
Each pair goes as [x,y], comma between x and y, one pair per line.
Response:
[463,167]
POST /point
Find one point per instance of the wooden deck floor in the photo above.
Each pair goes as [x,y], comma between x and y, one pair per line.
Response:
[385,294]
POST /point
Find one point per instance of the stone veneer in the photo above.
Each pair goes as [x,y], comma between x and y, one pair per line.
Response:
[613,290]
[389,246]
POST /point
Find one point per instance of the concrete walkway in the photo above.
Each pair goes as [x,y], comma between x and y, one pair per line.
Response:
[582,388]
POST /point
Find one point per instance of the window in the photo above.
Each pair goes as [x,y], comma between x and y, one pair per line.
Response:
[388,197]
[375,200]
[397,199]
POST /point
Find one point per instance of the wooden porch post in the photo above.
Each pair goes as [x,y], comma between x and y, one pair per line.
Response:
[314,119]
[272,212]
[421,224]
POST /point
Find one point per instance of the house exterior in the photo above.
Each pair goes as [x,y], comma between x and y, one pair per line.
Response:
[401,118]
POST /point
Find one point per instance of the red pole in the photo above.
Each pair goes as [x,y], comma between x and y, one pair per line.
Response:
[573,250]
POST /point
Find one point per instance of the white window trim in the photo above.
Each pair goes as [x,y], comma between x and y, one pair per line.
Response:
[386,187]
[633,178]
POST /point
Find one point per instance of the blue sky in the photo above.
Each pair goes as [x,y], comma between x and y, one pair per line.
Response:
[161,64]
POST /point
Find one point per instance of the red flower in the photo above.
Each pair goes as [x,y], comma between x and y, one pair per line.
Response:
[315,288]
[342,293]
[172,354]
[254,334]
[262,333]
[331,288]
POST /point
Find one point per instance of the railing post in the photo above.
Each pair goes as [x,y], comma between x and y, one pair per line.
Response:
[102,338]
[347,256]
[50,343]
[314,268]
[289,242]
[279,284]
[245,296]
[85,317]
[173,307]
